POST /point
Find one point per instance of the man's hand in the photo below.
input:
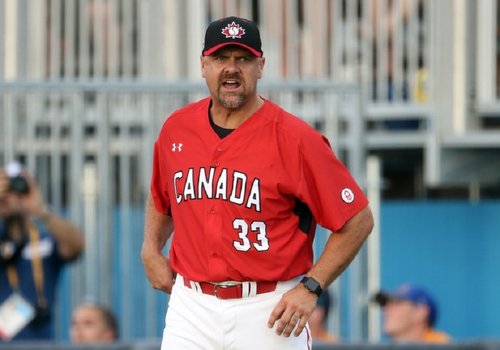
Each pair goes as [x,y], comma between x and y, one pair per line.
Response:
[293,311]
[20,203]
[157,229]
[33,203]
[158,269]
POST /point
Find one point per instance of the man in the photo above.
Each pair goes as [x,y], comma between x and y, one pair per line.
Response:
[93,323]
[244,182]
[35,244]
[410,314]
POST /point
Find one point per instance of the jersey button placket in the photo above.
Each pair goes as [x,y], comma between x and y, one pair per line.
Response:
[213,253]
[213,229]
[217,154]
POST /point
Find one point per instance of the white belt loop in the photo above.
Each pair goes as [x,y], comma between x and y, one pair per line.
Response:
[179,279]
[248,289]
[196,286]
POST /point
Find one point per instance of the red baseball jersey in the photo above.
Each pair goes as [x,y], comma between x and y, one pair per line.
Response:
[245,207]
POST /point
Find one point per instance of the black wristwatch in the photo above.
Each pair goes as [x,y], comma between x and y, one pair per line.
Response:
[312,285]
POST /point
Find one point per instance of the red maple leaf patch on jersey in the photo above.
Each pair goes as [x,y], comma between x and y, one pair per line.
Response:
[233,30]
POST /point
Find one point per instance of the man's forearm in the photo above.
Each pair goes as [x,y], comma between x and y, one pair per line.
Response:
[342,247]
[69,237]
[158,228]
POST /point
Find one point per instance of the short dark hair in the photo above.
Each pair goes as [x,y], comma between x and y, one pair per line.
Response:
[107,315]
[109,318]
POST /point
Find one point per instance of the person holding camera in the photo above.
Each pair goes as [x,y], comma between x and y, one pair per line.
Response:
[35,244]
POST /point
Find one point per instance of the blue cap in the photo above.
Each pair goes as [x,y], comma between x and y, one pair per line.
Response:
[414,294]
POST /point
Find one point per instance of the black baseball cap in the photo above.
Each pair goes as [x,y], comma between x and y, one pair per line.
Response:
[232,31]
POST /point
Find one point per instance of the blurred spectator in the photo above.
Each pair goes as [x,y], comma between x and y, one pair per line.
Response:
[93,323]
[318,322]
[35,244]
[410,314]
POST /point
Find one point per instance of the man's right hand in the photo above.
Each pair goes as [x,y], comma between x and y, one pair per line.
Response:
[158,269]
[158,228]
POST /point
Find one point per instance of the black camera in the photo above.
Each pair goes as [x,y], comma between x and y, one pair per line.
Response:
[17,182]
[19,185]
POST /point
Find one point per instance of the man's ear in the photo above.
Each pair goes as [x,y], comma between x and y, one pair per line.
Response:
[261,66]
[202,65]
[423,313]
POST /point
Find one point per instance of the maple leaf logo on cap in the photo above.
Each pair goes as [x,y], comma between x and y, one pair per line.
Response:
[233,30]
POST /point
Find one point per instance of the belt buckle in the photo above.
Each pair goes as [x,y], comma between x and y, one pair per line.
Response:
[223,286]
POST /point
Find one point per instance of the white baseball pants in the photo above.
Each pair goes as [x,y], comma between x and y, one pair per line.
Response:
[200,321]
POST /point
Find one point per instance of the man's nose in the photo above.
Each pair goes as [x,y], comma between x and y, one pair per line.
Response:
[232,65]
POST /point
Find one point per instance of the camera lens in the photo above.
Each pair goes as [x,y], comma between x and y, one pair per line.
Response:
[18,184]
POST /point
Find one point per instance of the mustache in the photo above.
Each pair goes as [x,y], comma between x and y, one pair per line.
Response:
[236,76]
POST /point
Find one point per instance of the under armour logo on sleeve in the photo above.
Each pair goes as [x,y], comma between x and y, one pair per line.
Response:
[177,147]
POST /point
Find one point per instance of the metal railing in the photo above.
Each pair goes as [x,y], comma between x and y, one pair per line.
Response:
[406,54]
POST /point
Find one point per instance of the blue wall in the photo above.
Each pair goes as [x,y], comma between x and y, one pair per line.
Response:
[453,248]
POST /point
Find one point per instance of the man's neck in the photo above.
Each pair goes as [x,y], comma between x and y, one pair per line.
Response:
[232,118]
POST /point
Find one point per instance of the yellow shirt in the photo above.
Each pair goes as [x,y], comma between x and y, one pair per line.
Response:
[325,337]
[436,337]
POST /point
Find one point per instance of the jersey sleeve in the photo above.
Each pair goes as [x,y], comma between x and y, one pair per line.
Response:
[159,189]
[325,184]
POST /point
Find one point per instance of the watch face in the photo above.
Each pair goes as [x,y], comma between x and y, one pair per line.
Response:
[312,285]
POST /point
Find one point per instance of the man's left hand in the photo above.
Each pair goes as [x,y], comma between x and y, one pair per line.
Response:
[293,311]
